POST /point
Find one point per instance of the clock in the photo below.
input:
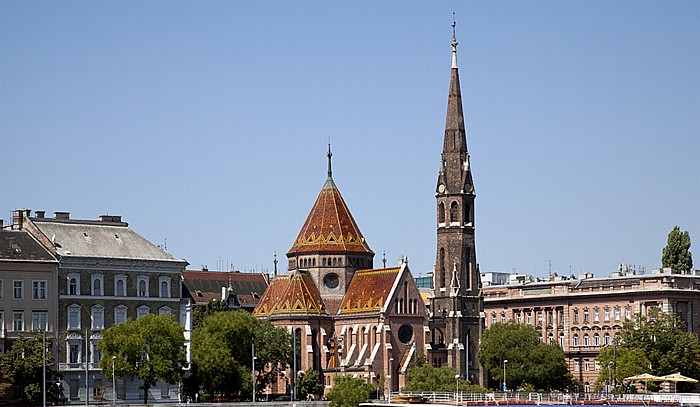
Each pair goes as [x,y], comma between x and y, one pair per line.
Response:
[441,188]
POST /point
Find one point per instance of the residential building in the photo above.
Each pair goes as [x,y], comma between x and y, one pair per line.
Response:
[107,273]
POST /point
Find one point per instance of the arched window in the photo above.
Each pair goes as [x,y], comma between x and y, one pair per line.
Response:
[550,338]
[467,213]
[97,286]
[143,288]
[454,212]
[441,213]
[120,286]
[596,340]
[586,340]
[164,289]
[323,261]
[575,339]
[340,261]
[73,286]
[313,261]
[561,339]
[606,339]
[442,267]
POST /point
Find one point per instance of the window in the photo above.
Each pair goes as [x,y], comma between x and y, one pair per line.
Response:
[561,340]
[518,318]
[493,319]
[586,340]
[142,311]
[550,318]
[165,311]
[529,318]
[606,339]
[576,365]
[74,317]
[142,287]
[628,313]
[2,322]
[596,340]
[596,315]
[39,290]
[120,285]
[18,289]
[441,213]
[550,338]
[575,339]
[98,317]
[617,313]
[73,284]
[454,212]
[585,316]
[575,316]
[74,353]
[606,315]
[586,365]
[119,314]
[97,285]
[503,318]
[18,321]
[539,317]
[164,283]
[596,365]
[1,289]
[561,317]
[39,320]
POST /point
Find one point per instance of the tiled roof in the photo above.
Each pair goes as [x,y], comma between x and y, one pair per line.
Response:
[369,290]
[16,245]
[206,285]
[294,295]
[330,227]
[83,239]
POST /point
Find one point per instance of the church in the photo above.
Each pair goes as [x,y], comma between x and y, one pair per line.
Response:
[349,318]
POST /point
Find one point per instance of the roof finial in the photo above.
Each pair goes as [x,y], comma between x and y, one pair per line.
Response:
[275,273]
[454,42]
[330,172]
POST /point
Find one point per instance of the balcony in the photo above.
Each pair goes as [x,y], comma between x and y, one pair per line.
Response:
[78,366]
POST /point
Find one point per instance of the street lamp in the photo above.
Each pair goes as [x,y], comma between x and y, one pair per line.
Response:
[114,383]
[390,362]
[457,392]
[504,374]
[254,359]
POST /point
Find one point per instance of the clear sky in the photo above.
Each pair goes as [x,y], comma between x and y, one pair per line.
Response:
[207,123]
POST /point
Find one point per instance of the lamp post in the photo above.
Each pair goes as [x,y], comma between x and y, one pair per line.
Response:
[44,366]
[253,369]
[114,383]
[457,392]
[504,374]
[391,360]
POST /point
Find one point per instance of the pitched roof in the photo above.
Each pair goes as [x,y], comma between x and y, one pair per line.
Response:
[18,245]
[330,227]
[369,290]
[93,239]
[294,295]
[204,286]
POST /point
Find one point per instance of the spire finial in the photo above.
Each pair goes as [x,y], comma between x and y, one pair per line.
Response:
[330,172]
[454,42]
[275,273]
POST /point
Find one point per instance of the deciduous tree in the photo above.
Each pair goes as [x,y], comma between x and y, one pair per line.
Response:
[676,255]
[309,383]
[150,348]
[23,365]
[348,391]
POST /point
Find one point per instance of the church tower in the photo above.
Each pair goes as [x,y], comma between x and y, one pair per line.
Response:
[456,302]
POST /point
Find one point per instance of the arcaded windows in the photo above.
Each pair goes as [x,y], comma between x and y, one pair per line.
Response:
[164,283]
[454,212]
[98,317]
[97,280]
[120,285]
[39,289]
[74,317]
[441,213]
[73,284]
[142,286]
[119,314]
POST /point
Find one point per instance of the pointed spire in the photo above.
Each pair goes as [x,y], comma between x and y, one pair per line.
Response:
[455,137]
[329,155]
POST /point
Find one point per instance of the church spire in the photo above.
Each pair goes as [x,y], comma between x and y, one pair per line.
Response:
[329,155]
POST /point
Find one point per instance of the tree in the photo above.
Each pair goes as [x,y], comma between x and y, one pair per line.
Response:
[676,254]
[150,348]
[222,352]
[213,306]
[309,383]
[529,360]
[348,391]
[657,343]
[23,367]
[425,377]
[618,362]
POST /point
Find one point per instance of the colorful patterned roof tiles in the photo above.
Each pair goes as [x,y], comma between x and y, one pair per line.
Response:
[330,226]
[291,295]
[369,290]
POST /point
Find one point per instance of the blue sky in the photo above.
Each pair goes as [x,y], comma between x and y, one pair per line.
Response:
[206,123]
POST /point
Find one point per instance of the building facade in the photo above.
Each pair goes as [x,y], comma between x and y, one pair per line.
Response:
[583,315]
[107,274]
[455,299]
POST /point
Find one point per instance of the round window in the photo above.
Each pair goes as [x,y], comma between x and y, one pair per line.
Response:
[405,334]
[331,280]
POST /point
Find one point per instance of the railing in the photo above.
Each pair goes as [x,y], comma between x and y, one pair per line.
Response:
[556,398]
[78,366]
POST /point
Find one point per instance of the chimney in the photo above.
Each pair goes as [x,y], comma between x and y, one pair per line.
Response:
[17,219]
[110,218]
[40,214]
[61,215]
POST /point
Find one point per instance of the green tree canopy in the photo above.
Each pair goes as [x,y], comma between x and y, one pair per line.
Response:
[222,352]
[200,312]
[23,367]
[676,254]
[425,377]
[150,348]
[348,391]
[529,361]
[309,383]
[657,343]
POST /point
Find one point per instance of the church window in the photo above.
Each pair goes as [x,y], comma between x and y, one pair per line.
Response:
[454,212]
[323,261]
[340,261]
[331,280]
[335,261]
[442,267]
[405,334]
[441,213]
[467,215]
[313,261]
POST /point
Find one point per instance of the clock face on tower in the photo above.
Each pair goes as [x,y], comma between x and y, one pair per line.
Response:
[441,189]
